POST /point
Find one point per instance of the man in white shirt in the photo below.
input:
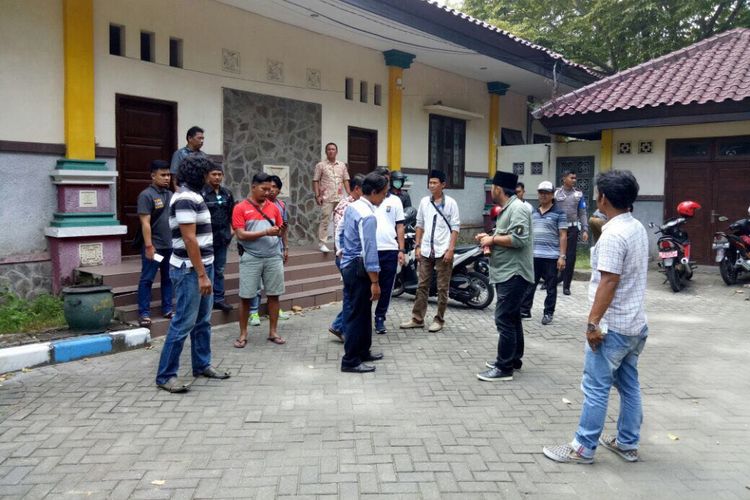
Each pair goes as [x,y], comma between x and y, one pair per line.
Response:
[437,230]
[521,195]
[617,328]
[390,235]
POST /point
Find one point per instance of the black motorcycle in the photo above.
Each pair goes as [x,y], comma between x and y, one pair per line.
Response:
[674,253]
[470,283]
[733,250]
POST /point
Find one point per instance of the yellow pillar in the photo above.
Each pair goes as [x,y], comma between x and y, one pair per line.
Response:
[397,62]
[395,75]
[494,138]
[496,89]
[78,39]
[605,154]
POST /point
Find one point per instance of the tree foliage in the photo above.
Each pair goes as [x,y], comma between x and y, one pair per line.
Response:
[612,35]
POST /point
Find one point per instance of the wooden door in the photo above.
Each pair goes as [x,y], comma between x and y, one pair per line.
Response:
[692,181]
[146,131]
[363,150]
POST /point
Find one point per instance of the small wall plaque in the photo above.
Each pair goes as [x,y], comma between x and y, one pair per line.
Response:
[313,78]
[91,254]
[274,70]
[230,60]
[283,172]
[87,199]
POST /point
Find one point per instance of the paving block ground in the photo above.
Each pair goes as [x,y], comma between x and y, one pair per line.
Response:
[288,424]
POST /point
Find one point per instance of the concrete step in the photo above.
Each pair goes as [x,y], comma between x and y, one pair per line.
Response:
[304,299]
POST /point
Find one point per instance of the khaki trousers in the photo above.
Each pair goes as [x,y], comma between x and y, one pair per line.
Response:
[424,270]
[326,209]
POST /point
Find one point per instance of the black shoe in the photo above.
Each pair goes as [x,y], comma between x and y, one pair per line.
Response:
[374,357]
[494,375]
[380,326]
[566,291]
[546,319]
[223,306]
[336,333]
[525,315]
[361,368]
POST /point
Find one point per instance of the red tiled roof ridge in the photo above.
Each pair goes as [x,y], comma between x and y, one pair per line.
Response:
[558,106]
[516,38]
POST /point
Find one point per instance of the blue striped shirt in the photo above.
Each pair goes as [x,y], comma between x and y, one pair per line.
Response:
[547,227]
[359,235]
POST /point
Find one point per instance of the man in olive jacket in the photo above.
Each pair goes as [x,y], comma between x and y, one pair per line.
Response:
[511,271]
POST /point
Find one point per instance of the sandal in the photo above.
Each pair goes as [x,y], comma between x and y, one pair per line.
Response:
[174,386]
[240,343]
[169,315]
[277,340]
[144,322]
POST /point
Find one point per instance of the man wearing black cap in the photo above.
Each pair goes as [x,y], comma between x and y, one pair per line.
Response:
[220,203]
[511,271]
[438,225]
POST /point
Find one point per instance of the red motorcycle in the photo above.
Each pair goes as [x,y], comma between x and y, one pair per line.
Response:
[674,247]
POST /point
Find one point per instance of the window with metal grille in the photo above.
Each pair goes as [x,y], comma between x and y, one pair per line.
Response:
[447,148]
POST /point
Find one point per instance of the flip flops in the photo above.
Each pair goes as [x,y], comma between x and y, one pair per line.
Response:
[240,343]
[277,340]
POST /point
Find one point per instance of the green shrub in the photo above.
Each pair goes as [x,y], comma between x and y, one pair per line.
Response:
[19,315]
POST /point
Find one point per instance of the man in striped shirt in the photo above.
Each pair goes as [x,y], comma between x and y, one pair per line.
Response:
[191,272]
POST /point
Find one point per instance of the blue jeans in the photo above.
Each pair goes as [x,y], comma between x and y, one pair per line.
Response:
[148,273]
[388,266]
[255,304]
[192,316]
[220,262]
[338,323]
[614,363]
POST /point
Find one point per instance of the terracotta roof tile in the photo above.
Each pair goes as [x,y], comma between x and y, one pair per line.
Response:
[713,70]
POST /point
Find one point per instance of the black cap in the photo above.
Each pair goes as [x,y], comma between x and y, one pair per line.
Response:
[216,166]
[159,165]
[437,174]
[505,180]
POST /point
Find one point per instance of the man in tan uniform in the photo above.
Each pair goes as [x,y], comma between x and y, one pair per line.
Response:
[330,184]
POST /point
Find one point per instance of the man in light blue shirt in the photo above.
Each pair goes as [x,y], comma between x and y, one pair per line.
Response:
[360,267]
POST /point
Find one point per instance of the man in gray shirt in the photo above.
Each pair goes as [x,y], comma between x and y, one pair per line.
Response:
[573,202]
[153,211]
[194,144]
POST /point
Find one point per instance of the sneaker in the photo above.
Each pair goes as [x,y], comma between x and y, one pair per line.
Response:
[610,442]
[223,306]
[411,324]
[283,315]
[436,326]
[525,315]
[255,319]
[339,335]
[380,326]
[323,248]
[517,364]
[566,291]
[494,375]
[565,454]
[546,319]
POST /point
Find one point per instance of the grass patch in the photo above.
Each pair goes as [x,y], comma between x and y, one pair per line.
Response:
[583,257]
[20,316]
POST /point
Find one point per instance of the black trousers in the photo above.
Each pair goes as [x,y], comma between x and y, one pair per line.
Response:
[570,257]
[545,269]
[357,318]
[510,293]
[387,276]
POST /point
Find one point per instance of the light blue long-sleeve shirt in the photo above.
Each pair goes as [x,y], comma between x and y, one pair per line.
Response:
[359,235]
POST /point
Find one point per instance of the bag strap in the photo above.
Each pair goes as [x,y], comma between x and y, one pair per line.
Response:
[257,207]
[441,214]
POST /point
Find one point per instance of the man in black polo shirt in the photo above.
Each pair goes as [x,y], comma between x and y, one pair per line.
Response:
[220,203]
[153,211]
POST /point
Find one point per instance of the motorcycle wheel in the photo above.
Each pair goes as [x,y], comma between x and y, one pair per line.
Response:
[728,273]
[398,287]
[674,278]
[485,295]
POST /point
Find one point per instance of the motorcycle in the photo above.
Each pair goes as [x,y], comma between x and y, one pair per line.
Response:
[674,247]
[469,284]
[733,250]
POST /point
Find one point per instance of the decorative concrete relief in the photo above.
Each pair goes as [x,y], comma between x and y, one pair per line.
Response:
[262,130]
[274,70]
[230,60]
[313,78]
[282,171]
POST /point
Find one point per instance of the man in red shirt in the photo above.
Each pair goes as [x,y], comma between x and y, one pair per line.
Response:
[257,223]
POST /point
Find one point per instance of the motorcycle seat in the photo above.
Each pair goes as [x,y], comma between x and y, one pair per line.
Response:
[463,249]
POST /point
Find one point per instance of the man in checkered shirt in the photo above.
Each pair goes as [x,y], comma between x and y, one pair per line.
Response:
[617,329]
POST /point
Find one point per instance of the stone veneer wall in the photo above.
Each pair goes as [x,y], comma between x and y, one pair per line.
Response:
[266,130]
[26,279]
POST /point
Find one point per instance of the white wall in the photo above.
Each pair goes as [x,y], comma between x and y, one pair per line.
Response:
[649,168]
[31,71]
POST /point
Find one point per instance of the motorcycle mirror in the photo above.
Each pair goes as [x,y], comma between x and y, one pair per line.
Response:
[723,219]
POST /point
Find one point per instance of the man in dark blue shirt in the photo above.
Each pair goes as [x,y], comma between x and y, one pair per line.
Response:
[220,203]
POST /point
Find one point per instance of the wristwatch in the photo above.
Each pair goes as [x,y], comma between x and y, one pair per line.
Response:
[592,327]
[401,250]
[564,257]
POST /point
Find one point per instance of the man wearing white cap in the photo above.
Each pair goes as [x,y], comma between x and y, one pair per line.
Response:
[550,226]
